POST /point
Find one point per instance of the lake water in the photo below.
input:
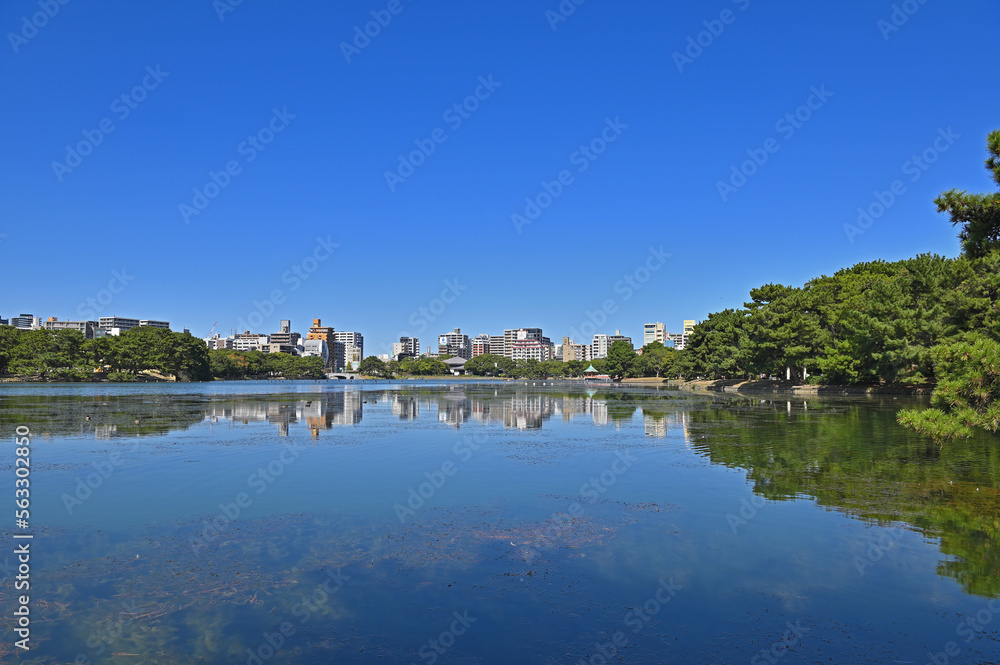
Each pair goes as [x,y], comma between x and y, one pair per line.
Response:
[496,523]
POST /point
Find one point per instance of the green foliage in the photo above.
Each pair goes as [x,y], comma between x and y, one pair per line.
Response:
[967,395]
[620,360]
[229,364]
[373,366]
[978,215]
[489,365]
[423,367]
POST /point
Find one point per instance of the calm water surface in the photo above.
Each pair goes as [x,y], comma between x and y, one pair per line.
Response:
[496,523]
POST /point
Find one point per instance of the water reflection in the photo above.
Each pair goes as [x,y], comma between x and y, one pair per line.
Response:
[847,456]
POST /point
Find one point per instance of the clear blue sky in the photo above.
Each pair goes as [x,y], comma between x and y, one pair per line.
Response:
[553,90]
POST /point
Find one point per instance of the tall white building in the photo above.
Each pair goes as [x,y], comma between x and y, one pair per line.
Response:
[354,349]
[601,344]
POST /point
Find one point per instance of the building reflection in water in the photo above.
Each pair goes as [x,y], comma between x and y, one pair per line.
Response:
[454,406]
[318,411]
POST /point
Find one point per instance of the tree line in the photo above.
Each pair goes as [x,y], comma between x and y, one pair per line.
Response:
[66,355]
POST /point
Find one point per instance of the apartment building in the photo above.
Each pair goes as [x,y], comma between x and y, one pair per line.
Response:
[455,344]
[497,347]
[406,347]
[654,332]
[480,345]
[86,328]
[248,341]
[353,352]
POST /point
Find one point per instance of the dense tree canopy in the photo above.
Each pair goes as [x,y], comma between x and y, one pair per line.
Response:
[65,355]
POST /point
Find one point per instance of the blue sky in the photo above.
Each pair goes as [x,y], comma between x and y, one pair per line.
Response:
[588,115]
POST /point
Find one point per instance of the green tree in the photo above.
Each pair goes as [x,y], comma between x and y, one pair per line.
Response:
[372,366]
[620,360]
[978,215]
[967,395]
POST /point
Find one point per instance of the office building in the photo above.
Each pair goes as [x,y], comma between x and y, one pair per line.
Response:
[248,341]
[455,344]
[155,324]
[406,347]
[602,342]
[26,322]
[285,336]
[321,332]
[680,340]
[216,341]
[85,328]
[106,323]
[654,332]
[480,345]
[353,352]
[315,348]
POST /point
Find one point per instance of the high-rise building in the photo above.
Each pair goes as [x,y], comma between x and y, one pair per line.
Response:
[154,324]
[319,331]
[454,344]
[26,322]
[654,332]
[497,345]
[602,342]
[354,349]
[680,340]
[406,347]
[285,337]
[573,351]
[480,345]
